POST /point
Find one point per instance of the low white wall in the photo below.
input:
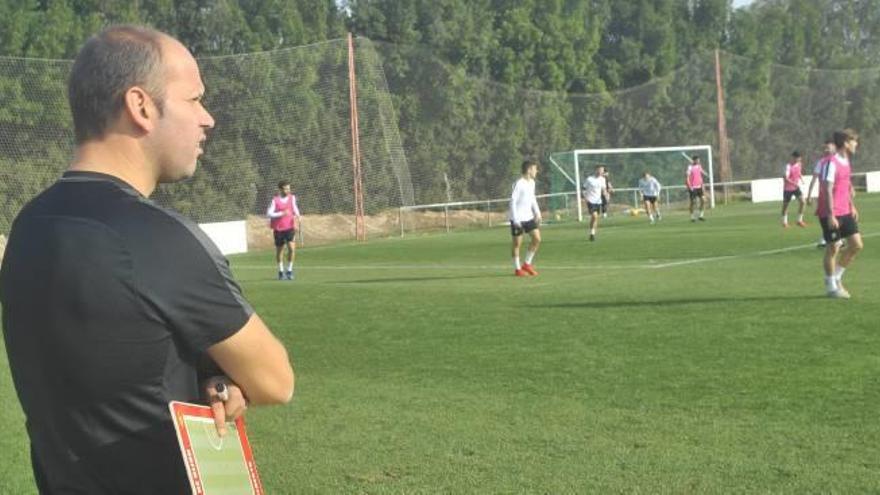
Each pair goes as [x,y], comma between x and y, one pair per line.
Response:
[764,190]
[872,181]
[230,237]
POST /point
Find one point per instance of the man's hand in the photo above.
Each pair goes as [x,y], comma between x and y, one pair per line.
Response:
[538,219]
[855,213]
[226,400]
[833,224]
[517,224]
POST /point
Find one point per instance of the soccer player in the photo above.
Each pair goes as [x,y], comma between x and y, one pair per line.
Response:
[828,150]
[838,214]
[694,182]
[525,218]
[283,219]
[792,188]
[595,189]
[112,305]
[650,188]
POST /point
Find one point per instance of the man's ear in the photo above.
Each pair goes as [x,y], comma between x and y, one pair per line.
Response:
[140,109]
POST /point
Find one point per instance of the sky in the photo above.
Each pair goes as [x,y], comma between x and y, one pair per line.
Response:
[741,3]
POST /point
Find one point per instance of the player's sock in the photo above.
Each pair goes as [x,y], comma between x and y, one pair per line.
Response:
[592,231]
[838,274]
[784,219]
[830,284]
[280,267]
[701,213]
[801,217]
[290,266]
[516,265]
[530,255]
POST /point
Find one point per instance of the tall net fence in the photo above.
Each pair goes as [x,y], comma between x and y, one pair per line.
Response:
[430,133]
[477,131]
[279,115]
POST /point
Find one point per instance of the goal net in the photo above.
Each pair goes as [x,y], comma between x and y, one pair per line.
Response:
[625,166]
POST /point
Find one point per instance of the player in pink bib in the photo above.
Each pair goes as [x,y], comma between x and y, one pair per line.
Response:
[283,217]
[694,182]
[838,214]
[792,188]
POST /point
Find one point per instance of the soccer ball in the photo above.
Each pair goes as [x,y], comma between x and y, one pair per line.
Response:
[634,212]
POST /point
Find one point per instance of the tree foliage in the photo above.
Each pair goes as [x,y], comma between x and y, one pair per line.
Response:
[476,86]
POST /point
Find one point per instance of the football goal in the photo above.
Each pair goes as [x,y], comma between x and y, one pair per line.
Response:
[626,165]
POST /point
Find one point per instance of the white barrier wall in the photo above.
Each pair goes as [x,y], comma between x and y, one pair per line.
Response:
[872,181]
[230,237]
[764,190]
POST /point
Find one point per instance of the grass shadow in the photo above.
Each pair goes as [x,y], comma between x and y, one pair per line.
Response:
[673,302]
[413,279]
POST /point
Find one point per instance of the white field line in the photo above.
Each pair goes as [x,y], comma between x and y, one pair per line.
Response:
[756,254]
[269,266]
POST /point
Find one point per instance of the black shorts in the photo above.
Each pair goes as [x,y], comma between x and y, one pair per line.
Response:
[282,237]
[787,195]
[594,208]
[846,226]
[525,227]
[696,193]
[649,199]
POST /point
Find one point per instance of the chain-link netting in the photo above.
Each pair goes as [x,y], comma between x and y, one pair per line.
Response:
[431,133]
[279,115]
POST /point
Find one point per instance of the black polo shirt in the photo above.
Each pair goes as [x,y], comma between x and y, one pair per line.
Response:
[109,301]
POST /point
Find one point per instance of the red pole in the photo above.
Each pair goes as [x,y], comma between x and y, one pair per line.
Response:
[723,149]
[357,173]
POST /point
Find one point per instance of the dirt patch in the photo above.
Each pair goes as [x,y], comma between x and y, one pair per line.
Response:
[327,229]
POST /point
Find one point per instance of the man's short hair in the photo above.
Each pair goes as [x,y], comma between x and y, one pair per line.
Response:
[695,157]
[110,63]
[841,137]
[282,184]
[795,154]
[526,164]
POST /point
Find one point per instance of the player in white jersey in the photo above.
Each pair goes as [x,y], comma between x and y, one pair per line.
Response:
[829,149]
[525,218]
[650,188]
[595,188]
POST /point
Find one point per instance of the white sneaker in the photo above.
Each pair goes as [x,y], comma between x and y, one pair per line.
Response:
[839,293]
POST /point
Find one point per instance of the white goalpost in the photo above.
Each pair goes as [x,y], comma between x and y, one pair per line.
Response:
[573,174]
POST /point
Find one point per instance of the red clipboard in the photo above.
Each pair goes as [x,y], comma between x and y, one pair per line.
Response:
[212,462]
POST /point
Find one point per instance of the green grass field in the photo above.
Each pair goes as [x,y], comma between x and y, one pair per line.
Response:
[675,358]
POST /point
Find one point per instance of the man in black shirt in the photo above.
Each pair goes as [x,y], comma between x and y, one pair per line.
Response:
[114,306]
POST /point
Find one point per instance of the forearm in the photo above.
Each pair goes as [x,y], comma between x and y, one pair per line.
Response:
[829,203]
[271,212]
